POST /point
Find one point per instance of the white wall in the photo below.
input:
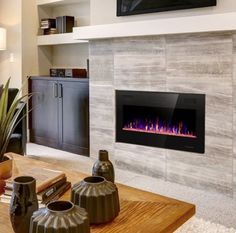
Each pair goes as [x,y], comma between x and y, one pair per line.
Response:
[80,11]
[104,11]
[19,18]
[10,18]
[29,39]
[74,56]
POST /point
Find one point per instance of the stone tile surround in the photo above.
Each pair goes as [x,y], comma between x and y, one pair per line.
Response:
[190,63]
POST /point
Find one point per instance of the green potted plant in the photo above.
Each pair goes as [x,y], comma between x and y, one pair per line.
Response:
[9,118]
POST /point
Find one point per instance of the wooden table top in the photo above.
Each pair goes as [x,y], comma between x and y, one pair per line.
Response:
[141,211]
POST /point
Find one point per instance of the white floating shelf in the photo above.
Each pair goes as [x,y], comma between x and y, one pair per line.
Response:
[190,24]
[58,39]
[57,2]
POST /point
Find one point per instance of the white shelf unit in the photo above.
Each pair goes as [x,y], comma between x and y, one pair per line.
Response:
[57,2]
[179,25]
[59,39]
[61,50]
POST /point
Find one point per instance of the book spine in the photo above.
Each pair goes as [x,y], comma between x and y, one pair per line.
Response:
[48,183]
[63,24]
[59,20]
[58,194]
[51,190]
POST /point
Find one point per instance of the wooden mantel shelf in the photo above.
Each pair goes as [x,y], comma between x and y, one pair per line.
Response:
[190,24]
[58,39]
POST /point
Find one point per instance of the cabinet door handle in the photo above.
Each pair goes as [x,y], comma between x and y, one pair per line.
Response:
[55,90]
[60,91]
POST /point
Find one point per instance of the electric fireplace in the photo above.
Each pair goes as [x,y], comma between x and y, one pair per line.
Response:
[166,120]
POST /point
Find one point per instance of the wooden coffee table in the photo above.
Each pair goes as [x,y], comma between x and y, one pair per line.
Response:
[141,211]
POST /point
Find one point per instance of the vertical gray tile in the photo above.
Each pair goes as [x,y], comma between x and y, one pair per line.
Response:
[102,106]
[140,64]
[234,178]
[198,171]
[101,139]
[141,159]
[234,94]
[101,61]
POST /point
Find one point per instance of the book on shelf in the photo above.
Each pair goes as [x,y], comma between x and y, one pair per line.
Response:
[65,24]
[44,177]
[47,23]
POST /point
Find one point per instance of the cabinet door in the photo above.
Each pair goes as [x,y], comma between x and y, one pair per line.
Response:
[74,97]
[44,117]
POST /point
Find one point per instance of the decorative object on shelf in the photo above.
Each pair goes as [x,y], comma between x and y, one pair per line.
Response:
[3,38]
[65,24]
[103,167]
[64,217]
[68,73]
[9,116]
[99,197]
[23,203]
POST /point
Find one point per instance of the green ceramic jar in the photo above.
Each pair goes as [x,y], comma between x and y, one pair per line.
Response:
[103,167]
[99,197]
[61,217]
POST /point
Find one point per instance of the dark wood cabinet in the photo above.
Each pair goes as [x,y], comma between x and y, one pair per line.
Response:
[60,115]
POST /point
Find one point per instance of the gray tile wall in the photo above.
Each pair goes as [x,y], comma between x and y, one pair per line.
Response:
[196,63]
[234,113]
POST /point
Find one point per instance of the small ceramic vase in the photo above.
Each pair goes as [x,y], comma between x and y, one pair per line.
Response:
[103,167]
[99,197]
[61,217]
[23,203]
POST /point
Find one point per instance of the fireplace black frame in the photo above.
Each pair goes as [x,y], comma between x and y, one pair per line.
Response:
[167,100]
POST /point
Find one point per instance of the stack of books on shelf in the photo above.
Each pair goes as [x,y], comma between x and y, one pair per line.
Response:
[48,26]
[50,185]
[61,24]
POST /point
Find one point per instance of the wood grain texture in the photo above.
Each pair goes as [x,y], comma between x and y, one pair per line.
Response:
[190,63]
[140,211]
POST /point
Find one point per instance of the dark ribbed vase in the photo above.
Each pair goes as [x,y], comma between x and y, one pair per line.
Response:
[23,203]
[103,167]
[99,197]
[60,217]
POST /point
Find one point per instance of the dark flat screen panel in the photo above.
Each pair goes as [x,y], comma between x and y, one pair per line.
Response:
[161,119]
[132,7]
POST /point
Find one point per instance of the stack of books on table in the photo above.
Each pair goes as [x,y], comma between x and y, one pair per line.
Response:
[50,185]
